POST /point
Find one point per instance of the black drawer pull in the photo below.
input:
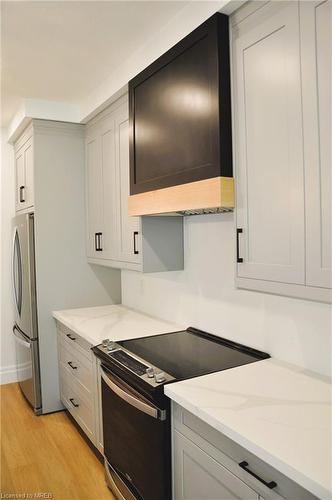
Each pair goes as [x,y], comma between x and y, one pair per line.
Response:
[239,231]
[135,247]
[22,198]
[244,465]
[73,402]
[98,240]
[70,363]
[70,336]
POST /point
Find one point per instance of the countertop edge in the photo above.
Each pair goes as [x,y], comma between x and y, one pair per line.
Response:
[286,469]
[59,318]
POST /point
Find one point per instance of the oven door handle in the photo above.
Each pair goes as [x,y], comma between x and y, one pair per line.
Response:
[130,399]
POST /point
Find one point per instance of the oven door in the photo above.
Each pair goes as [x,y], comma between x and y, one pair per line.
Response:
[136,442]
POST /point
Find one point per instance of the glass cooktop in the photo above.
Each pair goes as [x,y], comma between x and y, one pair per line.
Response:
[191,353]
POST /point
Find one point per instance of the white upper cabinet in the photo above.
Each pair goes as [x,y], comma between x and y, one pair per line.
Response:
[109,189]
[316,57]
[113,238]
[24,191]
[281,55]
[109,229]
[269,158]
[129,234]
[94,203]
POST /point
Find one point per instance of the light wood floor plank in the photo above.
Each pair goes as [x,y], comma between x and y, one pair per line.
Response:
[46,454]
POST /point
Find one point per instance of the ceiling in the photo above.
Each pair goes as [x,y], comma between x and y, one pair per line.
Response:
[61,51]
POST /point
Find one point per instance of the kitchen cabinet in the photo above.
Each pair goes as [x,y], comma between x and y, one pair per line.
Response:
[316,59]
[78,387]
[199,476]
[129,248]
[24,188]
[113,237]
[283,211]
[208,465]
[94,182]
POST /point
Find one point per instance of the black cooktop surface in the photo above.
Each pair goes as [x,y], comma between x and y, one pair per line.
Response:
[191,353]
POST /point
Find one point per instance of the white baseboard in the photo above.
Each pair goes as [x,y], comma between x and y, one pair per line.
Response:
[10,374]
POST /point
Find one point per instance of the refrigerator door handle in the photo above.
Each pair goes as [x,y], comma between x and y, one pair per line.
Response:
[19,338]
[17,283]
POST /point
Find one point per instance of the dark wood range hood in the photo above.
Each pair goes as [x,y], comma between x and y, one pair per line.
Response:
[180,127]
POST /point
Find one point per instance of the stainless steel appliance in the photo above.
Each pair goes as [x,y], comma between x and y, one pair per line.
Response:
[25,329]
[136,413]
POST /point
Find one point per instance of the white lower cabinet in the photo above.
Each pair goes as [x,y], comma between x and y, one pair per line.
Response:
[76,401]
[207,465]
[198,476]
[79,386]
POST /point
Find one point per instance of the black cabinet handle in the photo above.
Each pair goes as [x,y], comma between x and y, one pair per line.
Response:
[135,247]
[239,231]
[70,336]
[70,363]
[73,402]
[100,248]
[98,239]
[244,465]
[22,198]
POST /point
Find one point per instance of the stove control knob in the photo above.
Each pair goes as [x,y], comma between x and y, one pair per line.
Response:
[110,345]
[150,372]
[160,377]
[105,342]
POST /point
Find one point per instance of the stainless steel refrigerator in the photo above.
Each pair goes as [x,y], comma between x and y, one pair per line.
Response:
[25,329]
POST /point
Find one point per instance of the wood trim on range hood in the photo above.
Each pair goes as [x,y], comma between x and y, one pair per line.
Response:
[216,193]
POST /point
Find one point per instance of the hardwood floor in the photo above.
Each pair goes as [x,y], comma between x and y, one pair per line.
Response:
[45,454]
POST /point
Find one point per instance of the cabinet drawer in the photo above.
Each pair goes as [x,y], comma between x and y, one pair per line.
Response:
[224,450]
[71,395]
[78,366]
[71,339]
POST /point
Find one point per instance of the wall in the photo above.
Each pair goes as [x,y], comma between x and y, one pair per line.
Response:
[186,20]
[204,296]
[7,211]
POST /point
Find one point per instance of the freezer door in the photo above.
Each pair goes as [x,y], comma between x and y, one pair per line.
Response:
[27,357]
[23,275]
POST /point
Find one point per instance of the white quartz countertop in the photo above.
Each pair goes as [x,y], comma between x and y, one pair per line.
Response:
[279,412]
[114,322]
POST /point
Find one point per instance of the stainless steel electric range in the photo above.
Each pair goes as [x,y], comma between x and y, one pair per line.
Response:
[136,412]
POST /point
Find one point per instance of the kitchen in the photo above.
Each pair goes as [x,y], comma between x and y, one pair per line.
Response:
[177,301]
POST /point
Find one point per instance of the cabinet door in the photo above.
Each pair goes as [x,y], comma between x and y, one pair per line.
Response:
[94,200]
[24,176]
[129,237]
[20,179]
[316,43]
[198,476]
[29,177]
[110,188]
[269,155]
